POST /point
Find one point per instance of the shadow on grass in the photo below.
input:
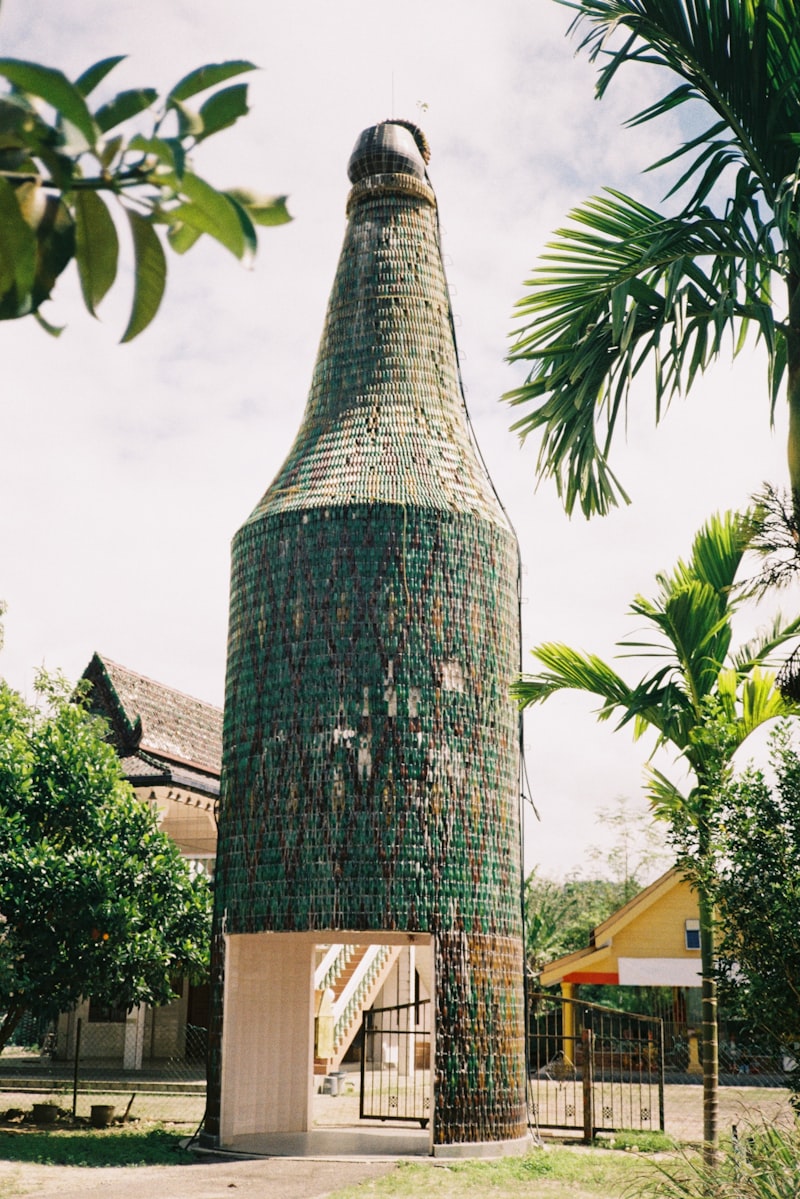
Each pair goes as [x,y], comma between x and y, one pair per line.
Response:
[79,1147]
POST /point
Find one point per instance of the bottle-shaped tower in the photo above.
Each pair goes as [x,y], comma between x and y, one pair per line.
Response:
[371,753]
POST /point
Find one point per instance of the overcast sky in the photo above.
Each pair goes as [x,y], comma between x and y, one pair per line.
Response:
[126,470]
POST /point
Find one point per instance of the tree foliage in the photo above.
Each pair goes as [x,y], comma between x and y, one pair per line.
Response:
[624,287]
[67,160]
[703,700]
[94,899]
[560,915]
[637,851]
[756,888]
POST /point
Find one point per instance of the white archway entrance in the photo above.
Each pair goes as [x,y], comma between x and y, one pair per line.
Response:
[272,1100]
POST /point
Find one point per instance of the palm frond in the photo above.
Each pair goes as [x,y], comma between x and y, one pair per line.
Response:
[570,670]
[718,549]
[661,704]
[742,60]
[666,800]
[693,631]
[761,701]
[621,287]
[759,650]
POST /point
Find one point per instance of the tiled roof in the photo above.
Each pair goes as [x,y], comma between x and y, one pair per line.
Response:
[154,727]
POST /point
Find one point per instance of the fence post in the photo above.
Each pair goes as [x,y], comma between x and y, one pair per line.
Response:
[661,1123]
[587,1037]
[75,1072]
[366,1024]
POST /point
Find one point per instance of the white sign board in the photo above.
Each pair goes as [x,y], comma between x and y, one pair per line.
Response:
[659,972]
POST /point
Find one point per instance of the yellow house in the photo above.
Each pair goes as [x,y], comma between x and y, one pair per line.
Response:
[652,941]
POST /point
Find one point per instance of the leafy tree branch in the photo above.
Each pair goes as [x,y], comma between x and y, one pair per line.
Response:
[66,163]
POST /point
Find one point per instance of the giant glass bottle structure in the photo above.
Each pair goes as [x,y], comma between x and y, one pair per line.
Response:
[371,753]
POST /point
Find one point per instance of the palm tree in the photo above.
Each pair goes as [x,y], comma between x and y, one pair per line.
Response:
[624,285]
[698,688]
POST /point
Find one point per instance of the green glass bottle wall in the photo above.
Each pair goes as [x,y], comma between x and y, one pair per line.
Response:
[370,763]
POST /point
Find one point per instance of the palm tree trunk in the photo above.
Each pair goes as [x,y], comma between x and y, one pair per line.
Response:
[710,1037]
[793,389]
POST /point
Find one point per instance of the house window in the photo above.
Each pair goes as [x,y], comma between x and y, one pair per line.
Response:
[102,1013]
[692,934]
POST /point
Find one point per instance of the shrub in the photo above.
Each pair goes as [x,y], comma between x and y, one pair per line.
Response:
[763,1164]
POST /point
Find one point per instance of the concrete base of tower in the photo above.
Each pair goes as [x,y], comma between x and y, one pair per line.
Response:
[395,1143]
[467,1149]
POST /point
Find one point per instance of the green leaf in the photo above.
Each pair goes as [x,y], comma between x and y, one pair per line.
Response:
[109,150]
[52,330]
[96,247]
[168,151]
[95,74]
[182,237]
[150,276]
[55,89]
[262,209]
[15,116]
[212,212]
[223,109]
[17,256]
[55,237]
[190,123]
[124,106]
[208,76]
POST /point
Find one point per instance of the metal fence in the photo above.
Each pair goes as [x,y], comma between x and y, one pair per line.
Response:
[396,1063]
[594,1069]
[621,1089]
[171,1089]
[643,1072]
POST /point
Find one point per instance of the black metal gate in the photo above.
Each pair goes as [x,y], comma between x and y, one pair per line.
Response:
[396,1063]
[594,1068]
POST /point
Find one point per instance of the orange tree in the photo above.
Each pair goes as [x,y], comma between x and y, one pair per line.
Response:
[95,900]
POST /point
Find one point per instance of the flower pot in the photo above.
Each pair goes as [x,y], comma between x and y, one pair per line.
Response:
[101,1115]
[45,1113]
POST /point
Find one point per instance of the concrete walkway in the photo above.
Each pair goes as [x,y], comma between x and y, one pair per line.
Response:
[365,1141]
[267,1178]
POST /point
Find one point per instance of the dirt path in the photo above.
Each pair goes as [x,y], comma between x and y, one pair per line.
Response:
[271,1178]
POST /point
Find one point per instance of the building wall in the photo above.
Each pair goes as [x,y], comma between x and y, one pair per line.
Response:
[659,932]
[268,1049]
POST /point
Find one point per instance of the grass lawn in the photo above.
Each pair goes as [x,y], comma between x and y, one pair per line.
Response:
[557,1172]
[80,1146]
[628,1165]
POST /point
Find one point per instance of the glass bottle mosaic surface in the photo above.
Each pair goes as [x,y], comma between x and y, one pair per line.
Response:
[370,762]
